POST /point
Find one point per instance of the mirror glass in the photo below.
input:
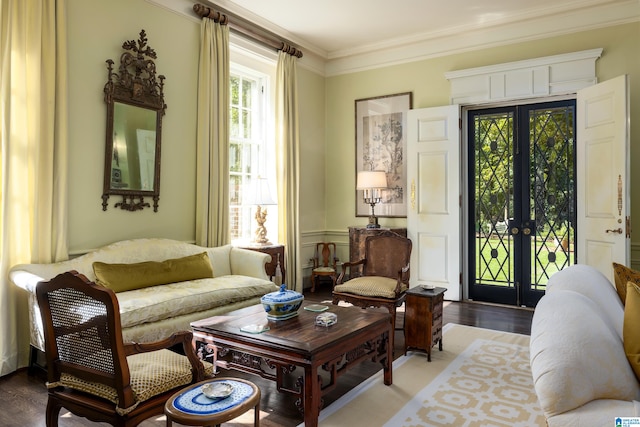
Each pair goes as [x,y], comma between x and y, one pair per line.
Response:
[135,106]
[134,147]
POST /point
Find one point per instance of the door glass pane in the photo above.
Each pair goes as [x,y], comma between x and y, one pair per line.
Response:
[494,199]
[552,196]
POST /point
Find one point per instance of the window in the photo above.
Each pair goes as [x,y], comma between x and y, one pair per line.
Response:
[250,150]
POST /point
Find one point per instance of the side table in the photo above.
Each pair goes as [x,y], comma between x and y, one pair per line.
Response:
[423,319]
[277,259]
[191,407]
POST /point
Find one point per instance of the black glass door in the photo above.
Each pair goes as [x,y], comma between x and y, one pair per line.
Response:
[521,200]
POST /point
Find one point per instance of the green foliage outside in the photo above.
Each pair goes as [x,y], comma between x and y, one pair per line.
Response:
[498,271]
[550,161]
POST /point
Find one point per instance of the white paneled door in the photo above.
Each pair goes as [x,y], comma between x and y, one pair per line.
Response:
[434,217]
[434,213]
[603,175]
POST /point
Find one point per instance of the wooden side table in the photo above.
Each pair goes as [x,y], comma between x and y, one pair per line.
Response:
[190,407]
[423,319]
[277,258]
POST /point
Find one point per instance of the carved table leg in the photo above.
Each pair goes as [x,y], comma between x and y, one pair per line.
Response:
[312,395]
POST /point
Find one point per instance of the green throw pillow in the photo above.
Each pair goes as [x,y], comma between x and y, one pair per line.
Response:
[623,274]
[127,277]
[630,330]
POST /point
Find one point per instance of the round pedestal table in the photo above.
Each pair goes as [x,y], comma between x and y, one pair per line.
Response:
[191,407]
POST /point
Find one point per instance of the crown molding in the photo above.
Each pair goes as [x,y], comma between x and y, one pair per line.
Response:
[595,17]
[521,28]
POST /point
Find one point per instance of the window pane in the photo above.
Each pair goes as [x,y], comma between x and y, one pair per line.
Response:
[234,222]
[234,189]
[246,124]
[234,121]
[235,158]
[247,93]
[235,89]
[248,159]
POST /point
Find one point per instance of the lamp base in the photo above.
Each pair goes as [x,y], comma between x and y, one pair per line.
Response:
[373,222]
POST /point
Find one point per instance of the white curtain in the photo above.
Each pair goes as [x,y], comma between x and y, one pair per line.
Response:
[212,170]
[33,150]
[288,166]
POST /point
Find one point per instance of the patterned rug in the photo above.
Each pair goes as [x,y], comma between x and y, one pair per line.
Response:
[481,378]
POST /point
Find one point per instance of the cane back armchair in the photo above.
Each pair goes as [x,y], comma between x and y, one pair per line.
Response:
[385,274]
[91,372]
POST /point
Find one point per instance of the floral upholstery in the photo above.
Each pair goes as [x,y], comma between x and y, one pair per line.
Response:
[154,313]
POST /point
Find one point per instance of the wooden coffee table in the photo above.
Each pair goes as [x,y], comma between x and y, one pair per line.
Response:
[297,347]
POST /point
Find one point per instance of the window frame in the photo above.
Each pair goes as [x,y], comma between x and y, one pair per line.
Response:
[258,154]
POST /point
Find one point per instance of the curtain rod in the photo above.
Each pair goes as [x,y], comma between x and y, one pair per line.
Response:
[246,29]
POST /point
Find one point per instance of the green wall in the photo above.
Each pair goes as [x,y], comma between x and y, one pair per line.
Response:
[430,88]
[327,128]
[96,31]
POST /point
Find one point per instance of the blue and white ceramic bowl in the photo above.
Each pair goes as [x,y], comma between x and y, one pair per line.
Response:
[283,304]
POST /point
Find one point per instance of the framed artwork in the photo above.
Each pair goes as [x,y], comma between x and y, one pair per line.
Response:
[381,144]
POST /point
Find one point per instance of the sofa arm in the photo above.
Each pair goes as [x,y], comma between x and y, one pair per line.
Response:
[24,279]
[576,356]
[245,262]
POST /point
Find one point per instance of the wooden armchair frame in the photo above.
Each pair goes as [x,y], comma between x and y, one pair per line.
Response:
[101,332]
[385,255]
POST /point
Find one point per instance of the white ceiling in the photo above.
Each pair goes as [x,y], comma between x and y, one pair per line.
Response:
[349,33]
[341,26]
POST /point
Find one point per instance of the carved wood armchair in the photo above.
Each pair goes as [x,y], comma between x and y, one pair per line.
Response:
[91,372]
[385,274]
[324,263]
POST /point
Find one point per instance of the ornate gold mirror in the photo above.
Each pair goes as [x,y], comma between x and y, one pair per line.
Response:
[135,106]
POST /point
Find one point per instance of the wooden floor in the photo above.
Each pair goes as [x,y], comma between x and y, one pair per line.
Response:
[24,397]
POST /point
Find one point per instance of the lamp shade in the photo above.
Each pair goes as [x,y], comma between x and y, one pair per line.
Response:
[371,179]
[262,195]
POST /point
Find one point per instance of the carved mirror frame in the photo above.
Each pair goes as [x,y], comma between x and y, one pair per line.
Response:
[135,106]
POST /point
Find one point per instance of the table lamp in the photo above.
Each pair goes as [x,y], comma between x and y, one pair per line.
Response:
[371,183]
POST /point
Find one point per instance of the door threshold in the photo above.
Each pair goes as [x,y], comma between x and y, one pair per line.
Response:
[495,304]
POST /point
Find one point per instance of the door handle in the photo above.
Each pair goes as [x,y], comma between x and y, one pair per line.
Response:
[526,231]
[616,231]
[515,230]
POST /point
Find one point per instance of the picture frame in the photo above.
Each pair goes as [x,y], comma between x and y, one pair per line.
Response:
[381,144]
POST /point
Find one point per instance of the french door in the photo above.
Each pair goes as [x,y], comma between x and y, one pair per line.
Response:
[522,205]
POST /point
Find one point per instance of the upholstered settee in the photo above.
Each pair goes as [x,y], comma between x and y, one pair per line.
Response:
[581,373]
[153,311]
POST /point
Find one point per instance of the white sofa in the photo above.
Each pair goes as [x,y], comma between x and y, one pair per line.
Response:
[580,370]
[155,312]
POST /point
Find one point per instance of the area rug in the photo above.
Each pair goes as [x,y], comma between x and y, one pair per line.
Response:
[481,378]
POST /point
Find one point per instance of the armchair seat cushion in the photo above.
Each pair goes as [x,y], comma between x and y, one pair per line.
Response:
[324,270]
[151,373]
[371,286]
